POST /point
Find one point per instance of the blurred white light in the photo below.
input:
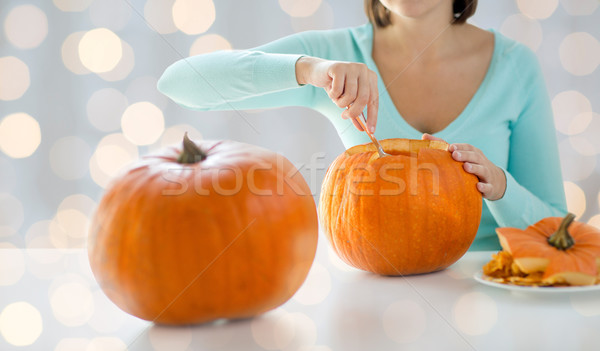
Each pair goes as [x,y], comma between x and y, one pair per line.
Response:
[123,68]
[273,330]
[337,262]
[26,26]
[72,304]
[105,108]
[575,166]
[70,227]
[69,157]
[20,135]
[111,158]
[106,343]
[523,29]
[8,176]
[580,7]
[60,239]
[174,135]
[73,222]
[72,344]
[14,78]
[475,313]
[209,43]
[193,16]
[539,9]
[72,5]
[111,14]
[112,154]
[70,53]
[100,50]
[579,53]
[12,215]
[404,321]
[12,266]
[595,220]
[170,339]
[142,123]
[154,14]
[20,324]
[591,132]
[304,331]
[582,145]
[586,305]
[316,287]
[567,106]
[280,330]
[80,202]
[579,123]
[576,202]
[322,19]
[300,8]
[37,236]
[144,89]
[42,264]
[107,317]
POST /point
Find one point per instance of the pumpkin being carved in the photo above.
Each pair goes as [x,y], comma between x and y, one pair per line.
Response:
[416,211]
[564,250]
[217,230]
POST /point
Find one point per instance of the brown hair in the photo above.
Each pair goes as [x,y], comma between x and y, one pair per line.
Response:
[380,16]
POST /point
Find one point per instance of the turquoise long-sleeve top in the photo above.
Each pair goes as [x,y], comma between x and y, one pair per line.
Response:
[509,117]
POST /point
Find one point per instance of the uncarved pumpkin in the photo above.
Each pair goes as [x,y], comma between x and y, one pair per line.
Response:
[416,211]
[567,251]
[221,229]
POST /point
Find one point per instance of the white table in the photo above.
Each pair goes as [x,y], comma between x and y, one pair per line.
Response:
[49,299]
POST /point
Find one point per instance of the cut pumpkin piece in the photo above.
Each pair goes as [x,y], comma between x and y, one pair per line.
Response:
[566,251]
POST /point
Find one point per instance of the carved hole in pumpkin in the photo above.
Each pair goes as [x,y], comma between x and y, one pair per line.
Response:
[404,147]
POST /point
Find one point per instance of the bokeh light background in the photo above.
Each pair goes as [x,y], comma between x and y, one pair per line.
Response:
[78,101]
[78,95]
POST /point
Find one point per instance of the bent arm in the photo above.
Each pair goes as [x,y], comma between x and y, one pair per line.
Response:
[534,186]
[262,77]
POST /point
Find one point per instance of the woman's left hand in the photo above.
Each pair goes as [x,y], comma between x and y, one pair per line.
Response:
[492,180]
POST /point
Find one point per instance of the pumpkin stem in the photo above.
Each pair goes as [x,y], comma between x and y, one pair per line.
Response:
[191,152]
[561,239]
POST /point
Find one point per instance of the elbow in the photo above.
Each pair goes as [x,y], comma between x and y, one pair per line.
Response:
[166,83]
[174,83]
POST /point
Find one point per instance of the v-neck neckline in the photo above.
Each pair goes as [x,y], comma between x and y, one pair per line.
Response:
[398,120]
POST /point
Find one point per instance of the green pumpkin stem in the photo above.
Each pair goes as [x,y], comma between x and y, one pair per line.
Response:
[191,152]
[562,240]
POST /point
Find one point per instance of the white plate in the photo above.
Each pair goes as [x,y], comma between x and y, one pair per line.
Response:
[536,289]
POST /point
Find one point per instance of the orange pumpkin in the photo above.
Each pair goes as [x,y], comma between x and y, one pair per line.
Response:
[416,211]
[566,251]
[217,230]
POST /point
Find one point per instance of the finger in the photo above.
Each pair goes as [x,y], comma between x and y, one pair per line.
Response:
[349,94]
[372,109]
[357,125]
[373,105]
[462,147]
[468,156]
[427,136]
[337,86]
[362,98]
[478,170]
[485,189]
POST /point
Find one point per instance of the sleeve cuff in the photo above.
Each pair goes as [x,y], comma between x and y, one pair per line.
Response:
[274,72]
[509,205]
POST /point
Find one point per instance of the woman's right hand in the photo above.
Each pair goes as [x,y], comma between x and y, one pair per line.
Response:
[347,84]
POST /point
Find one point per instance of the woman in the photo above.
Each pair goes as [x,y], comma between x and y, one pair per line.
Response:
[419,71]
